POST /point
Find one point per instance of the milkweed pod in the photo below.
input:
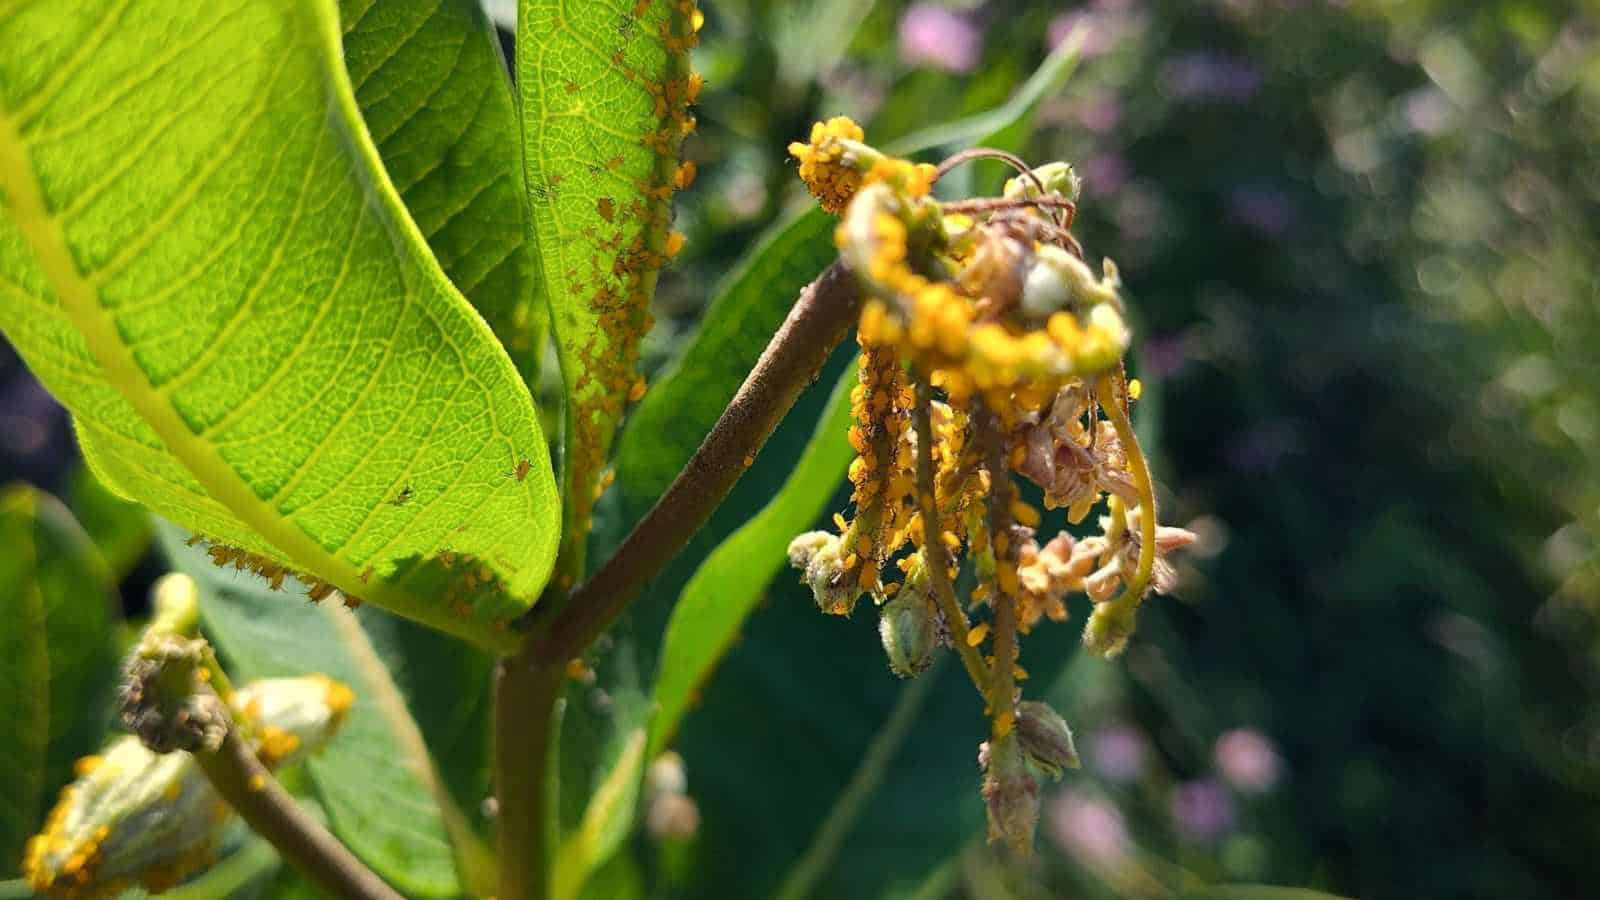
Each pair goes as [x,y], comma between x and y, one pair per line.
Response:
[1011,795]
[291,717]
[133,817]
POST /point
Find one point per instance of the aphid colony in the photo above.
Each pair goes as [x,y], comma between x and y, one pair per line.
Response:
[989,349]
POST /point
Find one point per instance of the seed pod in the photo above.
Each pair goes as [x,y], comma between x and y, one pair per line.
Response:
[817,555]
[133,817]
[291,717]
[1011,795]
[1045,738]
[906,626]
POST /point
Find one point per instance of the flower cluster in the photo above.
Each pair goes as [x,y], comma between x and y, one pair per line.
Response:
[991,352]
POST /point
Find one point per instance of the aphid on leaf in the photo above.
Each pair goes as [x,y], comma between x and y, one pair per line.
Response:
[401,498]
[521,471]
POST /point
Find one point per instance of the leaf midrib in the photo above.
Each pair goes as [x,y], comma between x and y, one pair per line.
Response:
[80,300]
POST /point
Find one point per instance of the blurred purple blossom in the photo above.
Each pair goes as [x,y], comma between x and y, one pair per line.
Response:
[931,35]
[1202,810]
[1088,829]
[1248,760]
[1263,447]
[1208,76]
[1105,24]
[1164,355]
[1100,112]
[1268,211]
[1105,173]
[1117,753]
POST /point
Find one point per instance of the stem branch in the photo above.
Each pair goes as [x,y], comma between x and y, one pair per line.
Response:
[938,561]
[253,793]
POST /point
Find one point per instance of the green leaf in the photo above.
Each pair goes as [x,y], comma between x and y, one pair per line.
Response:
[735,576]
[398,799]
[609,811]
[202,256]
[57,658]
[604,93]
[434,90]
[1254,892]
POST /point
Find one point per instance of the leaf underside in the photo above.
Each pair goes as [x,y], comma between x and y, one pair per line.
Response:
[202,257]
[605,90]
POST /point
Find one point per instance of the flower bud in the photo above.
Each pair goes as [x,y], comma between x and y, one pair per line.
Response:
[1057,178]
[164,701]
[906,626]
[1109,627]
[816,555]
[291,717]
[1045,738]
[1011,794]
[133,817]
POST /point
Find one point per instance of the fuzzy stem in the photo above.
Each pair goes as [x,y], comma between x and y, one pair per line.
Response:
[1002,679]
[1115,405]
[258,799]
[933,545]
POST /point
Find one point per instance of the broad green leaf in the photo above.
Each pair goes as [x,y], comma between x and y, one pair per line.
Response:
[730,581]
[434,90]
[202,256]
[57,658]
[397,798]
[605,91]
[608,813]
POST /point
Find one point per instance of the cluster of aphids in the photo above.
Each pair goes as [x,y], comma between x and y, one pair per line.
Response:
[990,350]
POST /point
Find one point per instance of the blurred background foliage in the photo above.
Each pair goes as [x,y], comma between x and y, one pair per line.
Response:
[1360,242]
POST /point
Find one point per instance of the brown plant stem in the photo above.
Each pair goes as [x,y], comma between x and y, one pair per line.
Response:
[1002,678]
[938,561]
[258,799]
[529,682]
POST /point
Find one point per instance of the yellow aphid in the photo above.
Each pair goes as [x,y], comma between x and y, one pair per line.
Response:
[1135,389]
[977,634]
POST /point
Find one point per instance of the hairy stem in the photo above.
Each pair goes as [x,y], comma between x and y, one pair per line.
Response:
[529,683]
[1002,678]
[933,545]
[258,799]
[1115,404]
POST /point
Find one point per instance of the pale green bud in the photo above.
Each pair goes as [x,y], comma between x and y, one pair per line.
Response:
[1109,627]
[906,625]
[1045,738]
[817,555]
[1057,177]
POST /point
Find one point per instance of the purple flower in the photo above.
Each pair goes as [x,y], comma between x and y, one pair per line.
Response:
[1088,829]
[931,35]
[1266,210]
[1205,76]
[1202,811]
[1105,24]
[1248,760]
[1117,753]
[1104,173]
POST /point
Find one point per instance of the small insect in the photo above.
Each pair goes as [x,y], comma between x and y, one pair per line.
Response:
[401,498]
[521,471]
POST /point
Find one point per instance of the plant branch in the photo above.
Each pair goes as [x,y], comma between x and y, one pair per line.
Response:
[793,358]
[524,710]
[938,561]
[253,793]
[1002,679]
[528,684]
